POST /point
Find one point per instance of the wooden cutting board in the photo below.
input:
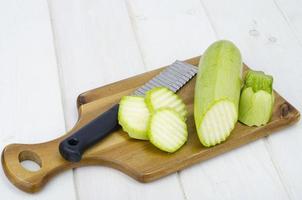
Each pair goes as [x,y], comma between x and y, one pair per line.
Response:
[139,159]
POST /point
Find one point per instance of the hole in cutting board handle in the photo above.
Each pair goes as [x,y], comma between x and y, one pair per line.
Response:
[30,161]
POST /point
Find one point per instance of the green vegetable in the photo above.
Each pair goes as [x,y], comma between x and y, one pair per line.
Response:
[257,99]
[167,130]
[162,121]
[217,92]
[161,97]
[133,116]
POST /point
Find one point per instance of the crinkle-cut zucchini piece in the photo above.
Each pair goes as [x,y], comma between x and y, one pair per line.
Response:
[167,130]
[257,99]
[162,97]
[133,116]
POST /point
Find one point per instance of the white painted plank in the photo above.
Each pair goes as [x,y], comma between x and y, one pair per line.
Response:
[246,173]
[29,87]
[96,46]
[167,30]
[291,12]
[267,43]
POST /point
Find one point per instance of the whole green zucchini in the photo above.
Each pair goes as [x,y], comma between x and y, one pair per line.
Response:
[217,92]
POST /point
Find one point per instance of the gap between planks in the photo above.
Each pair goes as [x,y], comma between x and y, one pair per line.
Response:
[61,82]
[266,139]
[286,19]
[133,28]
[209,18]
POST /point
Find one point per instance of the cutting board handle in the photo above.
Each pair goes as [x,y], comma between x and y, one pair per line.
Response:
[47,156]
[73,147]
[32,181]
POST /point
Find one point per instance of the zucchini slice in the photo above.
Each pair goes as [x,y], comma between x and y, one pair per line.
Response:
[133,116]
[161,97]
[167,130]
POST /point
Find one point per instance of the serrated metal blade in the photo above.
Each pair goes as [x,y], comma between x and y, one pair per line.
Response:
[173,77]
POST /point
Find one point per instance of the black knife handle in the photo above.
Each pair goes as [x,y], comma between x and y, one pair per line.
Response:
[73,147]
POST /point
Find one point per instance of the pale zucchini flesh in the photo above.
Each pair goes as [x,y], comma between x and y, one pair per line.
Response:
[218,123]
[161,97]
[217,92]
[167,130]
[133,116]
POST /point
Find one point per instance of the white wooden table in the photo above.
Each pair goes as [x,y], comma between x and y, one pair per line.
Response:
[52,50]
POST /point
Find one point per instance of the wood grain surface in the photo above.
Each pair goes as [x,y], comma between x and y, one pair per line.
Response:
[138,159]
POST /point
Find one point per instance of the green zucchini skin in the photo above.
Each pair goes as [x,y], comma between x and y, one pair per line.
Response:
[257,99]
[219,79]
